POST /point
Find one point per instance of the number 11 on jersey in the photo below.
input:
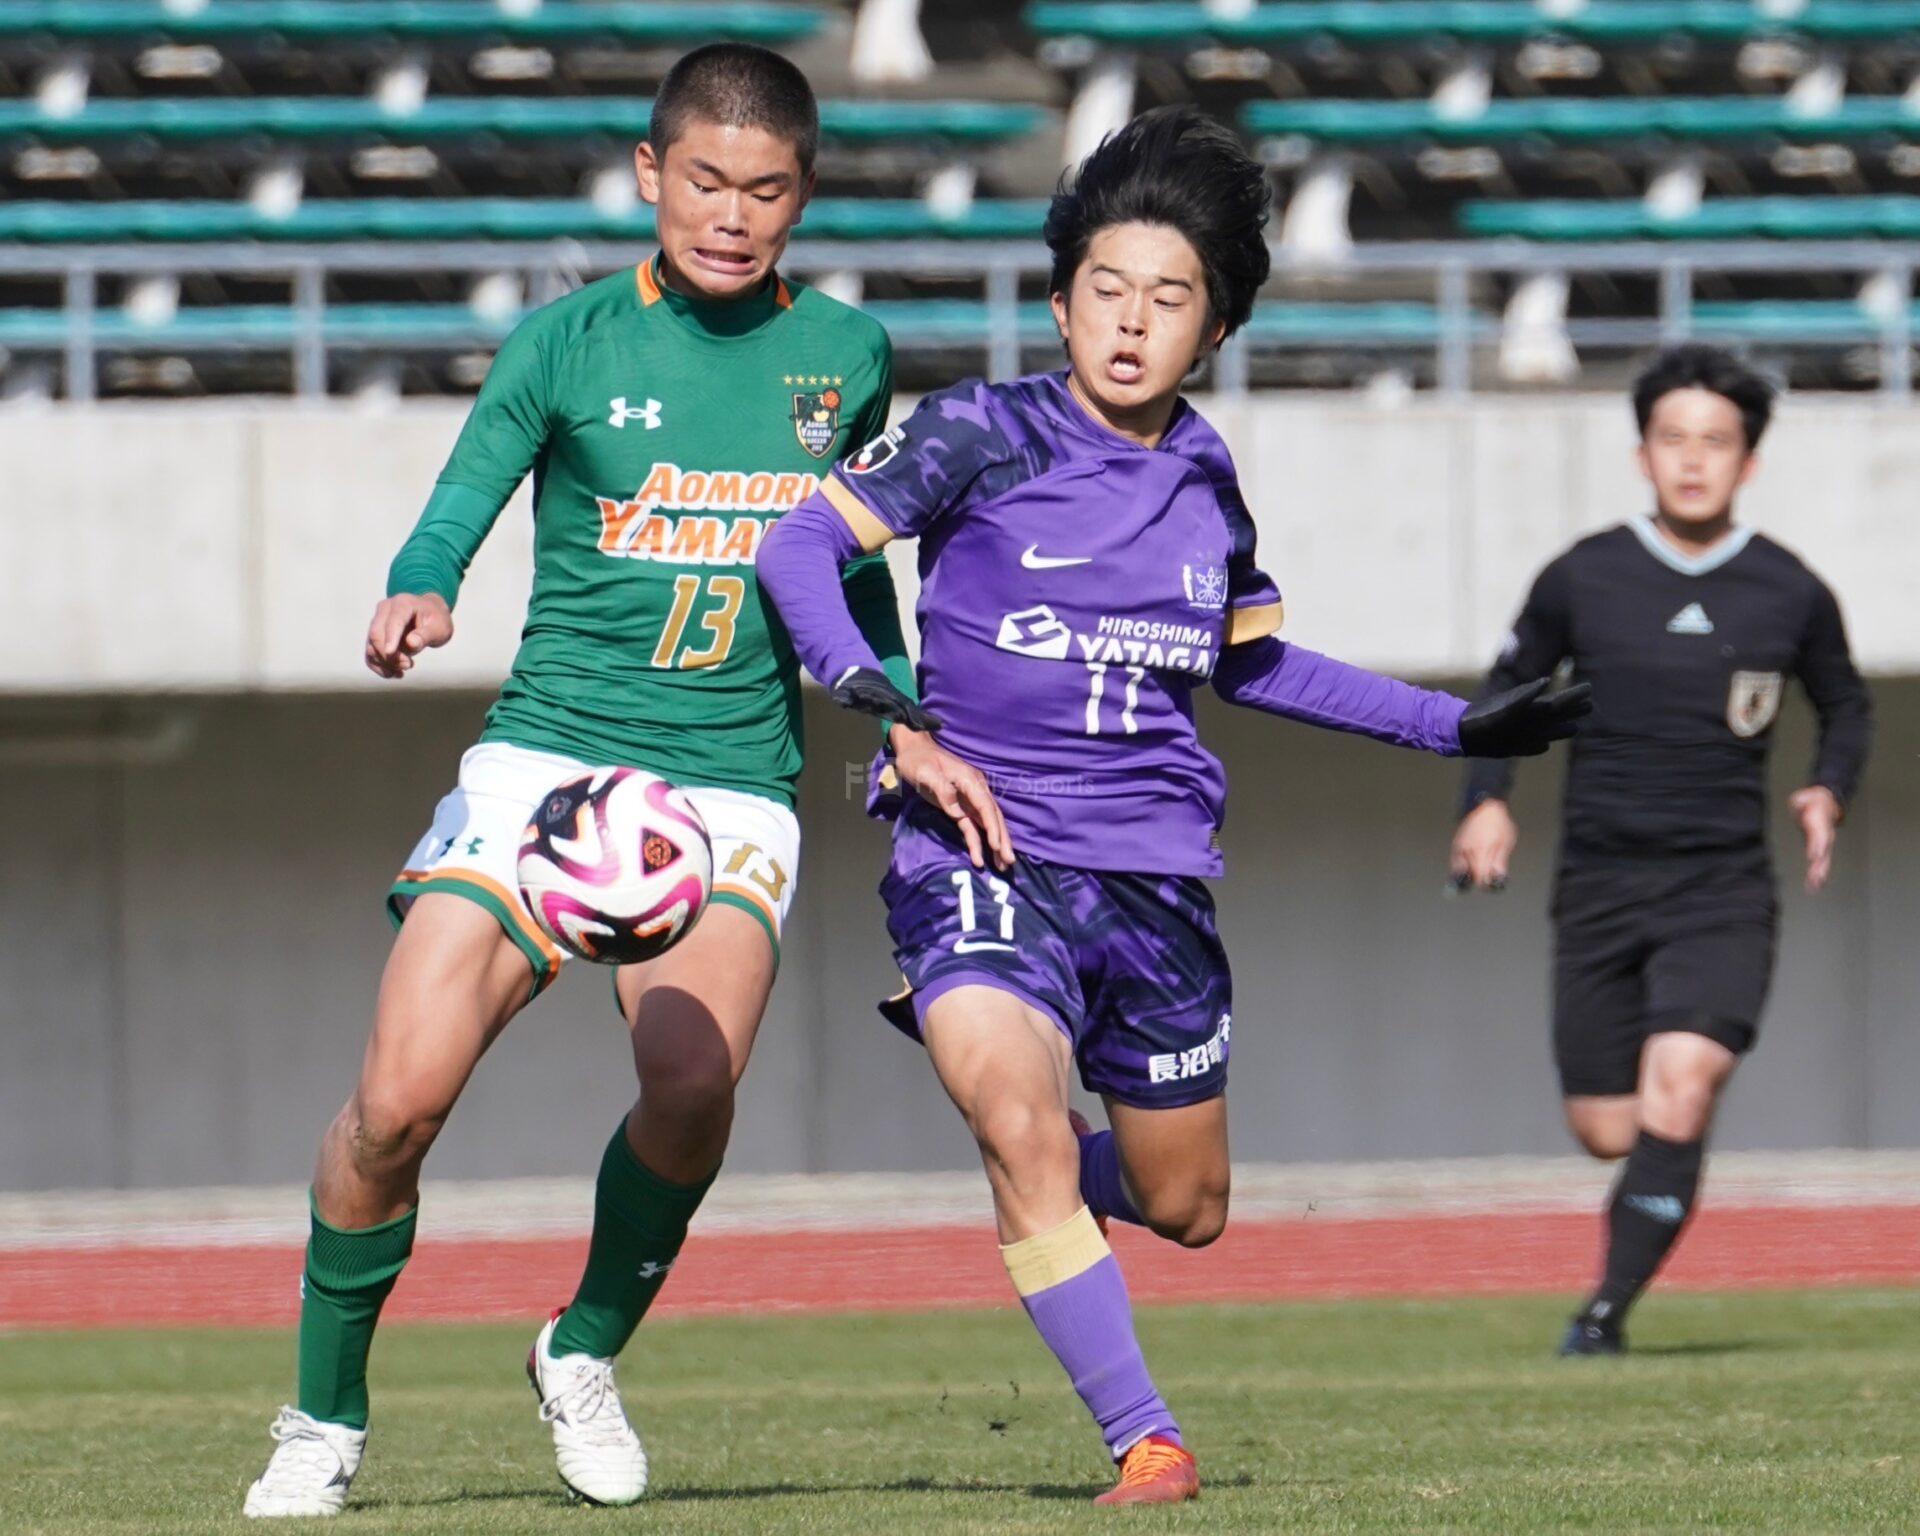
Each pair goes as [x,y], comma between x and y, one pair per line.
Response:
[1098,687]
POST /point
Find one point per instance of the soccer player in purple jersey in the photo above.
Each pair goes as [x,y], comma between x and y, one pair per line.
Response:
[1087,560]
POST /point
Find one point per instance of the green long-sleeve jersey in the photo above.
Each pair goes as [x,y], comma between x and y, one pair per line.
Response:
[664,436]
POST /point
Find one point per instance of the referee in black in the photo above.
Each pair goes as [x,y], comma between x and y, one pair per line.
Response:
[1687,625]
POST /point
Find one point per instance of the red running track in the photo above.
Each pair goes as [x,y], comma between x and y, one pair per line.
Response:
[467,1278]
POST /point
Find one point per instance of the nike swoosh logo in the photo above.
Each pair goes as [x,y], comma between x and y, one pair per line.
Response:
[1033,560]
[975,946]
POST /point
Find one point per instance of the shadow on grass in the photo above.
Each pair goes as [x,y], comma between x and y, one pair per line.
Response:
[1709,1347]
[559,1497]
[1075,1492]
[1064,1491]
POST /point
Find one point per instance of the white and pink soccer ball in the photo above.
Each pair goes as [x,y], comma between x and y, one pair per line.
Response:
[616,866]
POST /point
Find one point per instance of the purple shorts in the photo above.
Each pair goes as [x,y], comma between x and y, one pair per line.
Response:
[1129,966]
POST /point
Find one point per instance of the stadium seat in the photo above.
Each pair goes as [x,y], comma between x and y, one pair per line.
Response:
[489,218]
[1275,323]
[1188,22]
[1793,320]
[1734,218]
[263,326]
[337,20]
[1682,118]
[911,322]
[319,117]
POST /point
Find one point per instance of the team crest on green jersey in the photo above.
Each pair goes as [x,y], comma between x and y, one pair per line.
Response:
[816,415]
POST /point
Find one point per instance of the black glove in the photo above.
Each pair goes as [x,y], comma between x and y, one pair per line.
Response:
[1523,721]
[868,691]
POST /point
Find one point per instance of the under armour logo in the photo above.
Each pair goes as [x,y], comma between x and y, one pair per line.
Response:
[649,413]
[654,1267]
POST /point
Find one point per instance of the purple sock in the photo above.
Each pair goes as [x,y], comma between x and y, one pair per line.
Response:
[1087,1322]
[1100,1183]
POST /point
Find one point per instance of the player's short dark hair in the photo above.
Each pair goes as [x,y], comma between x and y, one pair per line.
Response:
[1695,365]
[1176,167]
[737,85]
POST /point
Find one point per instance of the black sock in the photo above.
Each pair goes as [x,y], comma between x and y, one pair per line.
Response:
[1651,1202]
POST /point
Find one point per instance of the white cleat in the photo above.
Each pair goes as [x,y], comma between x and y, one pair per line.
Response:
[601,1458]
[310,1471]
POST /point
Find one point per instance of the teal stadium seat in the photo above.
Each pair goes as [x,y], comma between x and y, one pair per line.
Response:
[1181,23]
[261,326]
[1801,320]
[637,21]
[1892,217]
[1275,323]
[1584,121]
[481,218]
[918,322]
[322,117]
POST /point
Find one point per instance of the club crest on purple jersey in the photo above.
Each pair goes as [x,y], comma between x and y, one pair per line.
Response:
[1205,585]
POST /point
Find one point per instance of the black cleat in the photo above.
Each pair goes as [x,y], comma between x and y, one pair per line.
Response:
[1594,1331]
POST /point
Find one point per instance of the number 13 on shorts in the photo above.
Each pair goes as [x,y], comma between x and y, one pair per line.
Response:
[997,931]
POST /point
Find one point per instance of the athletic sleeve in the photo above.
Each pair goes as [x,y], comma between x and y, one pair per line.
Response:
[1839,696]
[505,433]
[872,420]
[874,605]
[950,453]
[799,565]
[1537,643]
[872,599]
[1253,598]
[1298,684]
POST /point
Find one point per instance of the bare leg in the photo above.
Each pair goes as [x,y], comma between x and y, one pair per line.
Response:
[694,1014]
[453,981]
[1177,1167]
[1005,1067]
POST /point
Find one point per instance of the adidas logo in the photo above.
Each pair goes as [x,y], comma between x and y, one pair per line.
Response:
[1690,620]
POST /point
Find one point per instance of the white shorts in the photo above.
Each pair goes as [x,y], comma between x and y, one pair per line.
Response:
[473,847]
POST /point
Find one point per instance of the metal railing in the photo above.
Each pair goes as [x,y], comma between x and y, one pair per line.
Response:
[1452,268]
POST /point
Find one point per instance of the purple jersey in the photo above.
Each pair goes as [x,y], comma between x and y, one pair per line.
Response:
[1075,589]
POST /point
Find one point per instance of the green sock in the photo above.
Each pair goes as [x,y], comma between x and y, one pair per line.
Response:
[347,1278]
[639,1223]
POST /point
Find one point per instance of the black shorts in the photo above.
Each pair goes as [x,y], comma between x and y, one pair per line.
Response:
[1648,946]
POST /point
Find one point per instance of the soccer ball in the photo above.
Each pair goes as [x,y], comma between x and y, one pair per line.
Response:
[615,866]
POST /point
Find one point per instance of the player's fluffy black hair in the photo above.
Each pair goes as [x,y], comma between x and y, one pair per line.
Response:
[1694,365]
[738,85]
[1177,167]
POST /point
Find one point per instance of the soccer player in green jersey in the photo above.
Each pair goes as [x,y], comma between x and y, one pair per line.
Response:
[668,414]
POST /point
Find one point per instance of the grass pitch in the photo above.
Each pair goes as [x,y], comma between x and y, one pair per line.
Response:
[1764,1413]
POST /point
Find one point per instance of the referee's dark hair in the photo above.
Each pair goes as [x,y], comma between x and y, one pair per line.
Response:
[1695,365]
[737,85]
[1176,167]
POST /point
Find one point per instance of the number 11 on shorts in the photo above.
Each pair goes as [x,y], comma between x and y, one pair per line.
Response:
[967,943]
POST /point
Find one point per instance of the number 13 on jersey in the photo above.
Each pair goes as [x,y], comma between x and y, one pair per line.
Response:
[722,596]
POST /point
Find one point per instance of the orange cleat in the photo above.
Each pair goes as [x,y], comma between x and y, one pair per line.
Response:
[1156,1471]
[1081,1128]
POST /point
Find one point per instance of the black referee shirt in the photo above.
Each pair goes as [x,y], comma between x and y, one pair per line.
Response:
[1688,659]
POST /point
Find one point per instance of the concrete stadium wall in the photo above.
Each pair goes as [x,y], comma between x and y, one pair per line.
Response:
[217,547]
[191,944]
[208,797]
